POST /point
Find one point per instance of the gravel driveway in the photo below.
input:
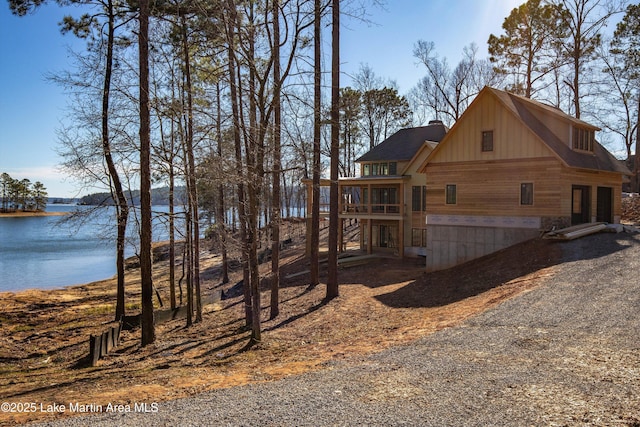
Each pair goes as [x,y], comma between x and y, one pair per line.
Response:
[566,353]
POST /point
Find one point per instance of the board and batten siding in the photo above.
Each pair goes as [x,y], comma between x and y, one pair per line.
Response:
[511,140]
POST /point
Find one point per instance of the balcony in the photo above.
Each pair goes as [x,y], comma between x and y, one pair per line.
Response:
[354,210]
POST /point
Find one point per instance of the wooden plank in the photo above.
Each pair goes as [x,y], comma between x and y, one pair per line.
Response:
[356,260]
[94,349]
[576,231]
[116,334]
[300,273]
[109,340]
[103,344]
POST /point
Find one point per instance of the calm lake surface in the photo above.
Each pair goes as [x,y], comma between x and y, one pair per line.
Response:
[40,252]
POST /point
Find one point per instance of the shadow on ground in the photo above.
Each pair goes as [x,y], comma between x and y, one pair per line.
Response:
[475,277]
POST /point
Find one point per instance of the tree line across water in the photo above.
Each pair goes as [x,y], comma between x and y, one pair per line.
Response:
[22,195]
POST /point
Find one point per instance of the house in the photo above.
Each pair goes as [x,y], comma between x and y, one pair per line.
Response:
[510,168]
[388,198]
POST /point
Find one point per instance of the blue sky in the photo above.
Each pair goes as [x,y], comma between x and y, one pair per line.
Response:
[32,109]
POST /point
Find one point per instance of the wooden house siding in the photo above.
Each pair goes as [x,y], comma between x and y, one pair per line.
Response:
[490,188]
[593,180]
[511,140]
[493,188]
[501,147]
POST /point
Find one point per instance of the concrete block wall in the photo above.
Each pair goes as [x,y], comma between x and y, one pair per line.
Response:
[450,245]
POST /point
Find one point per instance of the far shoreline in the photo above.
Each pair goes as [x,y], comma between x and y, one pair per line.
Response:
[30,214]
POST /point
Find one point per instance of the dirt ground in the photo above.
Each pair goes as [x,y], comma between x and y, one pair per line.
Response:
[44,334]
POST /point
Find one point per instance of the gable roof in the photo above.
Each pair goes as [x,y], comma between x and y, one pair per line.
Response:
[522,108]
[404,144]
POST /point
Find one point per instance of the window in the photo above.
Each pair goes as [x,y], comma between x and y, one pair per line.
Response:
[419,237]
[384,200]
[526,193]
[583,139]
[487,140]
[415,199]
[379,169]
[419,198]
[451,194]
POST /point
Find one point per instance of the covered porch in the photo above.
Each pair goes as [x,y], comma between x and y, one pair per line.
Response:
[376,203]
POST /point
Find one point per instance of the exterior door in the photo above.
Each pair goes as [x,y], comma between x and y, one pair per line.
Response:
[604,203]
[384,236]
[580,204]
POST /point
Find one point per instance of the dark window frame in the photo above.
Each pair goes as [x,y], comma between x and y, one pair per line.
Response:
[526,194]
[487,140]
[583,139]
[415,198]
[451,194]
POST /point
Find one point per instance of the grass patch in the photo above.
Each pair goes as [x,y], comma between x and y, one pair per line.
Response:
[103,309]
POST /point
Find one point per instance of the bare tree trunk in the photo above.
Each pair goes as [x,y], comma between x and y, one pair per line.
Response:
[275,211]
[332,279]
[191,176]
[172,236]
[253,186]
[222,230]
[637,158]
[188,251]
[148,330]
[122,207]
[242,215]
[317,117]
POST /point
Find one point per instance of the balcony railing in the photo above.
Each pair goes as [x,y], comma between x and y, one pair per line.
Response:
[383,209]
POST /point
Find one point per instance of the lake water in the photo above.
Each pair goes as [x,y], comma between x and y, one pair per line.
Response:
[39,252]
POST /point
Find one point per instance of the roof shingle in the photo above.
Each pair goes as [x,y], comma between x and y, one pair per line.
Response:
[601,159]
[405,143]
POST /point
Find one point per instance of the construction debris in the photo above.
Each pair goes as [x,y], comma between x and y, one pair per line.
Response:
[575,231]
[631,209]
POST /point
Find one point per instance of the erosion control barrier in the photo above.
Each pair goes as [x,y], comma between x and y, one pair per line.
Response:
[101,345]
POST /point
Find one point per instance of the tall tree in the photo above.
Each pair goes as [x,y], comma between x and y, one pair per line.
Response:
[444,92]
[39,196]
[350,114]
[146,267]
[193,220]
[626,43]
[221,205]
[334,221]
[384,111]
[84,28]
[584,21]
[525,49]
[233,74]
[6,183]
[277,164]
[317,117]
[24,192]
